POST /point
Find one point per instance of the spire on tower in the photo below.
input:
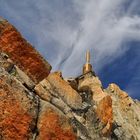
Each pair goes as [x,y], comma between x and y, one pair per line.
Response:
[87,56]
[87,67]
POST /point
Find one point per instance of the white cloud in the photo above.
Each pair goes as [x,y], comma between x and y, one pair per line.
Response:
[104,26]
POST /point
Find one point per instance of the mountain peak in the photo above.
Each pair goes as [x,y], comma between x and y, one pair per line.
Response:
[37,104]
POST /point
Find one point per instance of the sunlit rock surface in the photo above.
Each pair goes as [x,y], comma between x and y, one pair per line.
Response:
[22,53]
[53,124]
[36,104]
[18,109]
[126,114]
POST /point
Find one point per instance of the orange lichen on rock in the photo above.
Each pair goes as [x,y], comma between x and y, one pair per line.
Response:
[22,53]
[105,113]
[52,126]
[15,121]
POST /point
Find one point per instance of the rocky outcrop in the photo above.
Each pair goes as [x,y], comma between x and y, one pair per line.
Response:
[22,53]
[102,101]
[18,109]
[38,105]
[53,124]
[62,90]
[126,114]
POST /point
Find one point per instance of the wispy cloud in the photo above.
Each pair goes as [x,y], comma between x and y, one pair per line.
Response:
[105,27]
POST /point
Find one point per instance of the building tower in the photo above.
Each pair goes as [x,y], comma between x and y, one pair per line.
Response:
[87,66]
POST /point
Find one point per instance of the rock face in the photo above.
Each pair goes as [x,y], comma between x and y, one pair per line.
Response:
[18,109]
[38,105]
[22,53]
[53,124]
[126,114]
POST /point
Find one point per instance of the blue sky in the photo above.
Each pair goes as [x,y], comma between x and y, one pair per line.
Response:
[62,30]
